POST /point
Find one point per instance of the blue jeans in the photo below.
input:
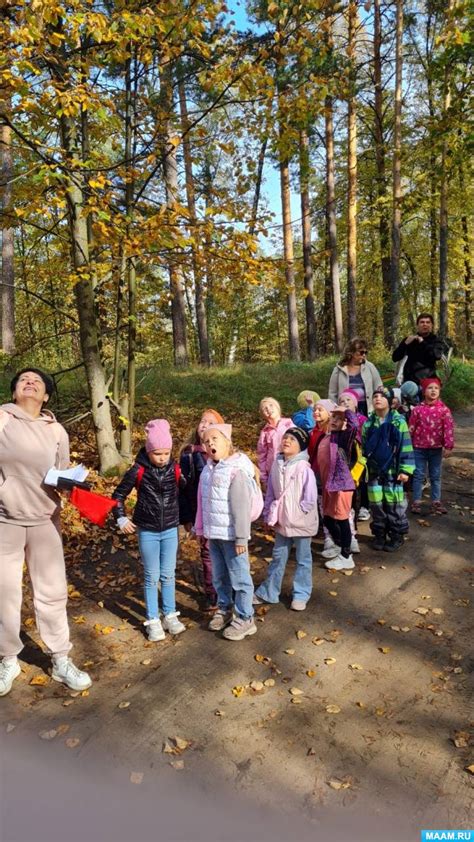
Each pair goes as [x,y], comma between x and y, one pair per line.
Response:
[430,457]
[231,572]
[270,589]
[158,551]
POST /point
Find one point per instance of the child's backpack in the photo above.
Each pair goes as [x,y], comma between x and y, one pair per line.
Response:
[141,471]
[360,465]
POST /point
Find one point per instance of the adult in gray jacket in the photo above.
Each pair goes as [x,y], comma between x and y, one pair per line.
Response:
[353,371]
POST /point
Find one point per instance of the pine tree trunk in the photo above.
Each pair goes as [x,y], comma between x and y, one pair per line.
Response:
[197,261]
[384,229]
[293,331]
[7,320]
[332,228]
[306,233]
[352,178]
[467,263]
[443,210]
[170,171]
[397,183]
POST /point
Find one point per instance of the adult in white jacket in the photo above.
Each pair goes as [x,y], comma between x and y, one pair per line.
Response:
[354,371]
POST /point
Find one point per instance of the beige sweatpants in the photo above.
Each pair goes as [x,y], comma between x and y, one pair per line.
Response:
[42,549]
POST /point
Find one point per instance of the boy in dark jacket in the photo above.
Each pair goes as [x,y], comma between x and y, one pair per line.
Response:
[387,446]
[156,476]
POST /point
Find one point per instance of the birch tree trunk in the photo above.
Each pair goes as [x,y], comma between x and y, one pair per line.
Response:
[293,331]
[443,204]
[306,233]
[397,183]
[332,228]
[384,229]
[352,177]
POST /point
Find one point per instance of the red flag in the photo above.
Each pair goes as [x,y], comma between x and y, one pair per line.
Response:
[94,507]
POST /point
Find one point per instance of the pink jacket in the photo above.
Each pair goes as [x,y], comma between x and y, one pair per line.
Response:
[431,425]
[292,490]
[268,446]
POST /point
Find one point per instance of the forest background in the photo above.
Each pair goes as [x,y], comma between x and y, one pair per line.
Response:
[206,183]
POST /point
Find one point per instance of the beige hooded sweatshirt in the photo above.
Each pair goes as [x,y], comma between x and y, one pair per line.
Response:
[29,447]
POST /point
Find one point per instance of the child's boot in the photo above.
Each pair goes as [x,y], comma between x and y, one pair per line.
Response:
[394,542]
[378,541]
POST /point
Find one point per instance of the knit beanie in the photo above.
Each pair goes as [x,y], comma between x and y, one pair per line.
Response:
[225,429]
[427,382]
[218,419]
[158,435]
[301,399]
[46,378]
[409,389]
[350,392]
[301,436]
[326,404]
[386,391]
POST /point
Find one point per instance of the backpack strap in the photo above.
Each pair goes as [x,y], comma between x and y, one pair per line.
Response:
[141,471]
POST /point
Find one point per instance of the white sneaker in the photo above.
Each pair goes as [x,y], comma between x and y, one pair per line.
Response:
[340,563]
[9,670]
[172,624]
[328,545]
[67,673]
[332,552]
[364,514]
[355,545]
[154,630]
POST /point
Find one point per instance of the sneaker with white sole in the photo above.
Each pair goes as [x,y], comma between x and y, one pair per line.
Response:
[298,605]
[332,552]
[66,672]
[256,600]
[220,620]
[154,630]
[340,563]
[172,624]
[239,628]
[355,545]
[364,514]
[9,670]
[328,545]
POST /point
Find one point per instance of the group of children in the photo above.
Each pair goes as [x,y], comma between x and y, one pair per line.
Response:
[329,461]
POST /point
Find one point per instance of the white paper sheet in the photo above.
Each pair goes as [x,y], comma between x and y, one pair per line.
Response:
[78,473]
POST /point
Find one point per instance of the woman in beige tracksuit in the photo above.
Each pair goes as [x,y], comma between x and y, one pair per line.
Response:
[31,442]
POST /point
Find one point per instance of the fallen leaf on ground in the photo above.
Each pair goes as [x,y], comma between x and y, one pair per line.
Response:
[300,634]
[296,701]
[470,768]
[457,670]
[84,693]
[295,691]
[103,629]
[334,783]
[74,595]
[80,619]
[10,727]
[332,593]
[123,705]
[461,739]
[256,685]
[63,729]
[238,691]
[347,572]
[421,611]
[405,628]
[310,752]
[48,735]
[423,522]
[219,713]
[181,744]
[333,709]
[136,777]
[384,649]
[395,628]
[310,673]
[177,764]
[289,651]
[437,611]
[460,538]
[356,667]
[168,748]
[380,711]
[329,661]
[269,682]
[260,659]
[360,704]
[318,641]
[39,680]
[72,742]
[29,622]
[381,622]
[146,661]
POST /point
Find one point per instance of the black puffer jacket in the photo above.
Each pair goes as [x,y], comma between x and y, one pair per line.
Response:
[157,506]
[422,357]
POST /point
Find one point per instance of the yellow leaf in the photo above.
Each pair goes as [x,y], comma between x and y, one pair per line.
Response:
[318,641]
[300,635]
[421,611]
[310,673]
[269,682]
[384,649]
[39,680]
[289,651]
[29,622]
[48,735]
[123,705]
[356,667]
[334,783]
[80,619]
[332,593]
[329,661]
[72,742]
[238,691]
[256,685]
[84,693]
[381,622]
[470,769]
[181,744]
[295,691]
[333,709]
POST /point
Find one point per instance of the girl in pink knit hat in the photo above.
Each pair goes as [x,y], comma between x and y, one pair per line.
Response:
[157,478]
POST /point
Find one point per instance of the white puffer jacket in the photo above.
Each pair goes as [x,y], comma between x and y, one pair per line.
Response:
[214,485]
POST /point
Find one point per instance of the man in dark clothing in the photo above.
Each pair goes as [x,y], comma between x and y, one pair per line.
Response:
[423,349]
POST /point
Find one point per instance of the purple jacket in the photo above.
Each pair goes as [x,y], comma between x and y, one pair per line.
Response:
[340,451]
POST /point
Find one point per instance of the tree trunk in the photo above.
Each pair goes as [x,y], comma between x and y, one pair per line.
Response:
[293,331]
[467,264]
[197,261]
[306,232]
[352,177]
[7,320]
[397,183]
[332,228]
[170,171]
[384,230]
[443,210]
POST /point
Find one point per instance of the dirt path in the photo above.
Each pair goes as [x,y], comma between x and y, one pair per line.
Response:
[366,751]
